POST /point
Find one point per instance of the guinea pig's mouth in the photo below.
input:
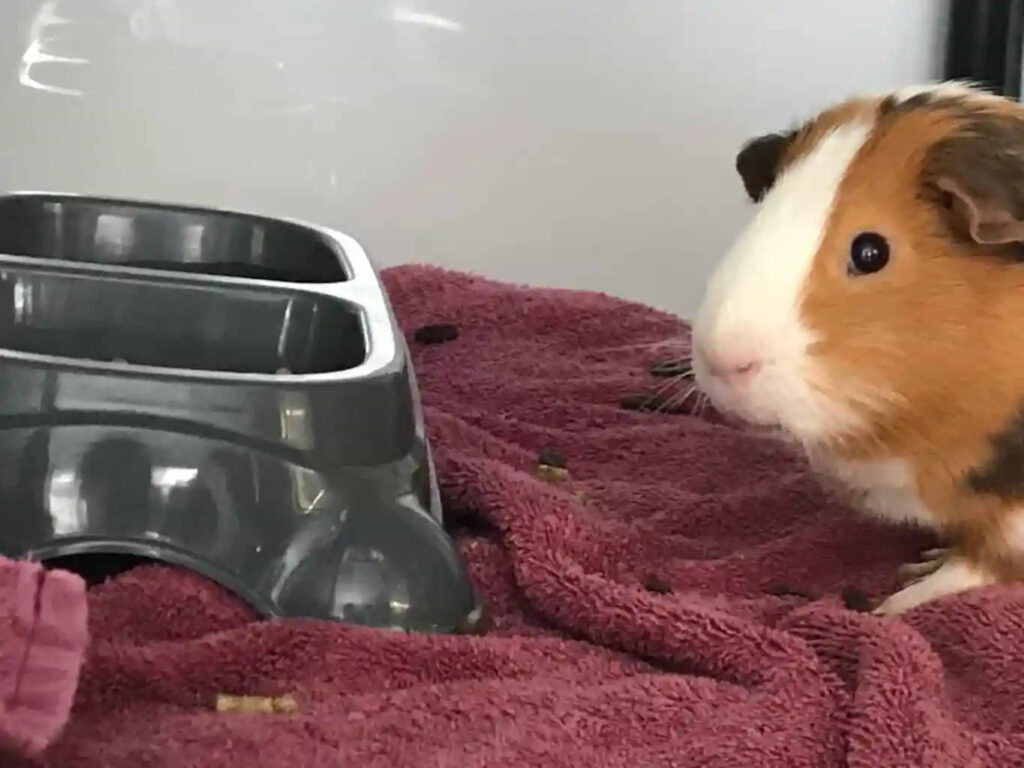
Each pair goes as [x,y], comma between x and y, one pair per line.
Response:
[777,403]
[746,403]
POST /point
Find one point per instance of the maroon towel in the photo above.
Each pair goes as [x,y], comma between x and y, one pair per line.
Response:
[638,606]
[42,642]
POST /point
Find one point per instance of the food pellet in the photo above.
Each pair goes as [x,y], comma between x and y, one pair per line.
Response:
[657,585]
[267,705]
[670,368]
[552,457]
[551,474]
[437,333]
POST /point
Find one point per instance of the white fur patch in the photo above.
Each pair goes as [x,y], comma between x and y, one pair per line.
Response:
[1013,532]
[884,488]
[952,577]
[958,89]
[753,297]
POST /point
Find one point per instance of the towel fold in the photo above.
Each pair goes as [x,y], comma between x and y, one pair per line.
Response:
[43,636]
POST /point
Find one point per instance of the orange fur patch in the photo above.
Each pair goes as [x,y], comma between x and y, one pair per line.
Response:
[930,350]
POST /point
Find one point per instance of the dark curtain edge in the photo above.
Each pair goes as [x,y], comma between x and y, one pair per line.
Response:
[983,44]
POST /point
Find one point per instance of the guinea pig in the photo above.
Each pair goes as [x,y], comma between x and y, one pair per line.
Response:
[873,311]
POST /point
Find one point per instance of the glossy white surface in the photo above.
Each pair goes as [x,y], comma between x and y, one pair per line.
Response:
[580,143]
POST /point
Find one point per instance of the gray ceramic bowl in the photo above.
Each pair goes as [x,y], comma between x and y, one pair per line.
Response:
[224,392]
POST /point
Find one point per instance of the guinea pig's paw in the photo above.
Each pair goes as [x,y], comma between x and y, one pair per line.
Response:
[955,574]
[931,560]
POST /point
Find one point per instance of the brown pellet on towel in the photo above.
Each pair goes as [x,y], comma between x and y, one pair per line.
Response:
[552,457]
[668,369]
[856,599]
[437,333]
[656,584]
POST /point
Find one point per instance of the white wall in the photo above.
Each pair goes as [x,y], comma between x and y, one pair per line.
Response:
[580,143]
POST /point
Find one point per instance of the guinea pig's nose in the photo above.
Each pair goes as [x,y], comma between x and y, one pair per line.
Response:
[732,365]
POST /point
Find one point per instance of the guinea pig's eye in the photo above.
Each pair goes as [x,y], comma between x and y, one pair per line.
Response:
[869,252]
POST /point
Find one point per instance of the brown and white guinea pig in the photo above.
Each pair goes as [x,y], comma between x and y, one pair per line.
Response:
[873,310]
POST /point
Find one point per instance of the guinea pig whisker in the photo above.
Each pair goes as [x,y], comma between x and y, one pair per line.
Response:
[669,403]
[703,400]
[691,392]
[675,341]
[679,398]
[696,395]
[698,399]
[680,377]
[666,387]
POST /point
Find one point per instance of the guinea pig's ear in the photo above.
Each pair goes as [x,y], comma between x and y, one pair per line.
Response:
[758,162]
[986,219]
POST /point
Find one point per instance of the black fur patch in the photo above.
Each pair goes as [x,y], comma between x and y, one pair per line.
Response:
[758,162]
[1003,474]
[890,106]
[985,157]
